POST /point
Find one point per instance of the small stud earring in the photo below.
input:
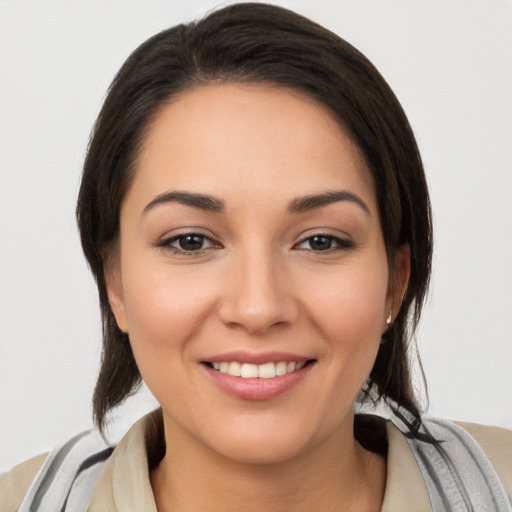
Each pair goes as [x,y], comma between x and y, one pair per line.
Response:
[389,319]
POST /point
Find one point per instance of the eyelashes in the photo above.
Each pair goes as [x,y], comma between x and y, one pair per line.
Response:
[192,244]
[325,243]
[188,243]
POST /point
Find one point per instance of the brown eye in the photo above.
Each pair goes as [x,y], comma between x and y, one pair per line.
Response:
[187,243]
[320,243]
[323,243]
[191,242]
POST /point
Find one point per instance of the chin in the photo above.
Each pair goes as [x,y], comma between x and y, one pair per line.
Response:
[261,449]
[262,439]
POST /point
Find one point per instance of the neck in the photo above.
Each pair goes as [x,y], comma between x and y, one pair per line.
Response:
[338,475]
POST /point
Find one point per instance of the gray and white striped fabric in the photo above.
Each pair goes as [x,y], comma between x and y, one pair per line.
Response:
[69,475]
[457,473]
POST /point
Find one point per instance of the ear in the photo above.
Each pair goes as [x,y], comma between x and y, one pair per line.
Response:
[399,279]
[114,285]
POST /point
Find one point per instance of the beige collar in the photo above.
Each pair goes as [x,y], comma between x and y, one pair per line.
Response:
[405,488]
[125,484]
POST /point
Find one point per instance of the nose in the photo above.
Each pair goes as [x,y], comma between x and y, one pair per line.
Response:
[258,295]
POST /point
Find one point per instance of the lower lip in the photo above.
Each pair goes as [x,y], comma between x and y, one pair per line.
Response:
[257,389]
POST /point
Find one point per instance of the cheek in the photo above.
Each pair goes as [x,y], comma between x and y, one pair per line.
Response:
[164,311]
[164,317]
[348,315]
[157,309]
[350,305]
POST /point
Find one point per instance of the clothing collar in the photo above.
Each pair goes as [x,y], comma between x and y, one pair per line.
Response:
[125,484]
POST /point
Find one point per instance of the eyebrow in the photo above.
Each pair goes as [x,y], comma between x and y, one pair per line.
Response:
[201,201]
[299,205]
[307,203]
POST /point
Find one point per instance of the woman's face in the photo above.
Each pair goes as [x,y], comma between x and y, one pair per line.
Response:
[251,243]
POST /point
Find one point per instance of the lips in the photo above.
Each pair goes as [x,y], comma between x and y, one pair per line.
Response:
[257,377]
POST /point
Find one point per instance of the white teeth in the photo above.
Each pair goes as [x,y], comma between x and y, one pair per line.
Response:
[262,371]
[267,371]
[281,368]
[234,369]
[249,371]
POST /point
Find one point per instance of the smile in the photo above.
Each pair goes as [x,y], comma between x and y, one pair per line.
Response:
[257,371]
[260,378]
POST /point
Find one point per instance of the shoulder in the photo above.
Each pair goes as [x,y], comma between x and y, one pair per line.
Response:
[461,463]
[474,461]
[84,466]
[496,442]
[14,484]
[66,475]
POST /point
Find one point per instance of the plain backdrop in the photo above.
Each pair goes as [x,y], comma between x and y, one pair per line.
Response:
[450,64]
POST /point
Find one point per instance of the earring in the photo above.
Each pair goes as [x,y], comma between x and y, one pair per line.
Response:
[389,322]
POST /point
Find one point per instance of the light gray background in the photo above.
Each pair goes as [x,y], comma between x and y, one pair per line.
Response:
[450,63]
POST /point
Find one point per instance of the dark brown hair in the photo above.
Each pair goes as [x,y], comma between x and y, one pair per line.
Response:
[256,42]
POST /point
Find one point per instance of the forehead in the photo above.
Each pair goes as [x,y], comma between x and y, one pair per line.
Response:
[237,138]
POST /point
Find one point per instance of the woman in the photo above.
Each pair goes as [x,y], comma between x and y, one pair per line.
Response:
[254,210]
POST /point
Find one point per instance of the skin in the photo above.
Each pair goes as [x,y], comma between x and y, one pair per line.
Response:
[257,284]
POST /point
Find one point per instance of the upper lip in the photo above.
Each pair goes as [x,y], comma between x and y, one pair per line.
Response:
[256,358]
